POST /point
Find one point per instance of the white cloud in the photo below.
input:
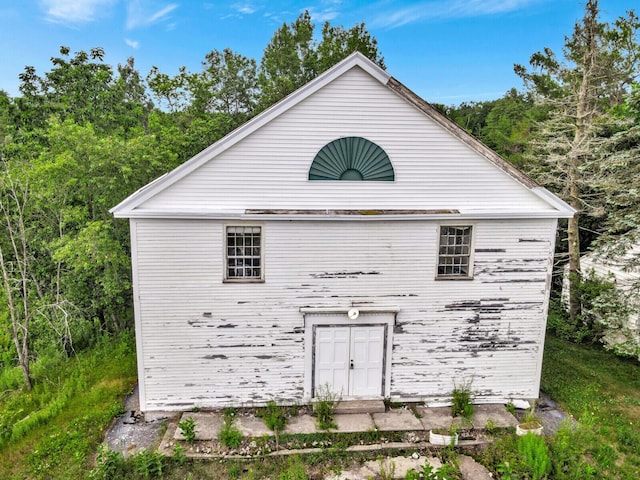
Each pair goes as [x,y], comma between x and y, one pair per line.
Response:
[447,9]
[132,43]
[142,13]
[244,8]
[74,11]
[323,15]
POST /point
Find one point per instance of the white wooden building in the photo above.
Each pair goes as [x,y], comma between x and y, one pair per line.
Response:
[349,236]
[616,264]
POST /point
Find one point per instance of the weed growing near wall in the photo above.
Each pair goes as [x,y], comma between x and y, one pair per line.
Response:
[229,434]
[324,406]
[462,400]
[188,428]
[274,417]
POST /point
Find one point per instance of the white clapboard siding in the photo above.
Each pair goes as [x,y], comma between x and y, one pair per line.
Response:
[621,269]
[206,343]
[269,168]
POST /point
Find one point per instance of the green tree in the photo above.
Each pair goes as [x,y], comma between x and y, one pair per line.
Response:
[170,93]
[293,58]
[338,43]
[75,182]
[84,88]
[227,84]
[599,62]
[617,169]
[289,60]
[472,116]
[510,125]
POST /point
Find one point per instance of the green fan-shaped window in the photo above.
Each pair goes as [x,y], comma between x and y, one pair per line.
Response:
[352,158]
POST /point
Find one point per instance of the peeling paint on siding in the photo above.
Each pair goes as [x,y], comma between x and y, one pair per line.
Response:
[342,274]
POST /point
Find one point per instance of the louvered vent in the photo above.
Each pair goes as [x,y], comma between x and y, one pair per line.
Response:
[352,158]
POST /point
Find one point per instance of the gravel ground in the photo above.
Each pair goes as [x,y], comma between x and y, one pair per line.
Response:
[550,414]
[131,432]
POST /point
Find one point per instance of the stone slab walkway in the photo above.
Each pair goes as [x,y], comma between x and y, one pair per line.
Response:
[208,424]
[394,420]
[494,415]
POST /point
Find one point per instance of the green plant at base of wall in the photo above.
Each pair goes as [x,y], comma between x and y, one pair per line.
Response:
[462,400]
[229,435]
[188,428]
[274,417]
[324,406]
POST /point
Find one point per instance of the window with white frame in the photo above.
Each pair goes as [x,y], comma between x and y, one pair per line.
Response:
[244,253]
[454,252]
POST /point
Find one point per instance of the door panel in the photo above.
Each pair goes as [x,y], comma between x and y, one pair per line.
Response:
[332,358]
[367,352]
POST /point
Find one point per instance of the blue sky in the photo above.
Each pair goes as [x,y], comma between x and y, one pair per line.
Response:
[447,51]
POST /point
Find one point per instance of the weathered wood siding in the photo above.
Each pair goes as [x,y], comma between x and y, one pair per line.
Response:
[208,343]
[269,168]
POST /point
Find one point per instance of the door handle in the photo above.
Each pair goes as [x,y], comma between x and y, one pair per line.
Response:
[351,364]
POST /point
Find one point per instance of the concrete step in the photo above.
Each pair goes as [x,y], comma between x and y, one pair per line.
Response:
[360,406]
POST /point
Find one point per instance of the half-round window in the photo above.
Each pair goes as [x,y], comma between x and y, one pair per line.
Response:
[354,159]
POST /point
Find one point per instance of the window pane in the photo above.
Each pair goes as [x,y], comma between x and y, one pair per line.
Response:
[454,251]
[244,252]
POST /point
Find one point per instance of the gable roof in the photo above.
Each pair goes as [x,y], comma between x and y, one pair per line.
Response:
[126,208]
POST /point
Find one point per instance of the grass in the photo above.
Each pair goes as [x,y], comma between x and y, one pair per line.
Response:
[54,430]
[602,392]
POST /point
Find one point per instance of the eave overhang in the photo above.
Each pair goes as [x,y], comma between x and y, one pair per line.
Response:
[338,215]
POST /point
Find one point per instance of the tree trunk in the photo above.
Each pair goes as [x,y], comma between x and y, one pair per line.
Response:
[575,276]
[23,361]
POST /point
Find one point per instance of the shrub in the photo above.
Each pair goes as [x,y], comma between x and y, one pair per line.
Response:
[605,312]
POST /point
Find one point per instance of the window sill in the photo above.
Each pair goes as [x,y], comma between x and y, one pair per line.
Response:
[448,278]
[243,280]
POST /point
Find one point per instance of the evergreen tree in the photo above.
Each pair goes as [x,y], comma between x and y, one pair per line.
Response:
[600,61]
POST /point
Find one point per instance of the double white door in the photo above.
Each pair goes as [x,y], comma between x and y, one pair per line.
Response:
[350,360]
